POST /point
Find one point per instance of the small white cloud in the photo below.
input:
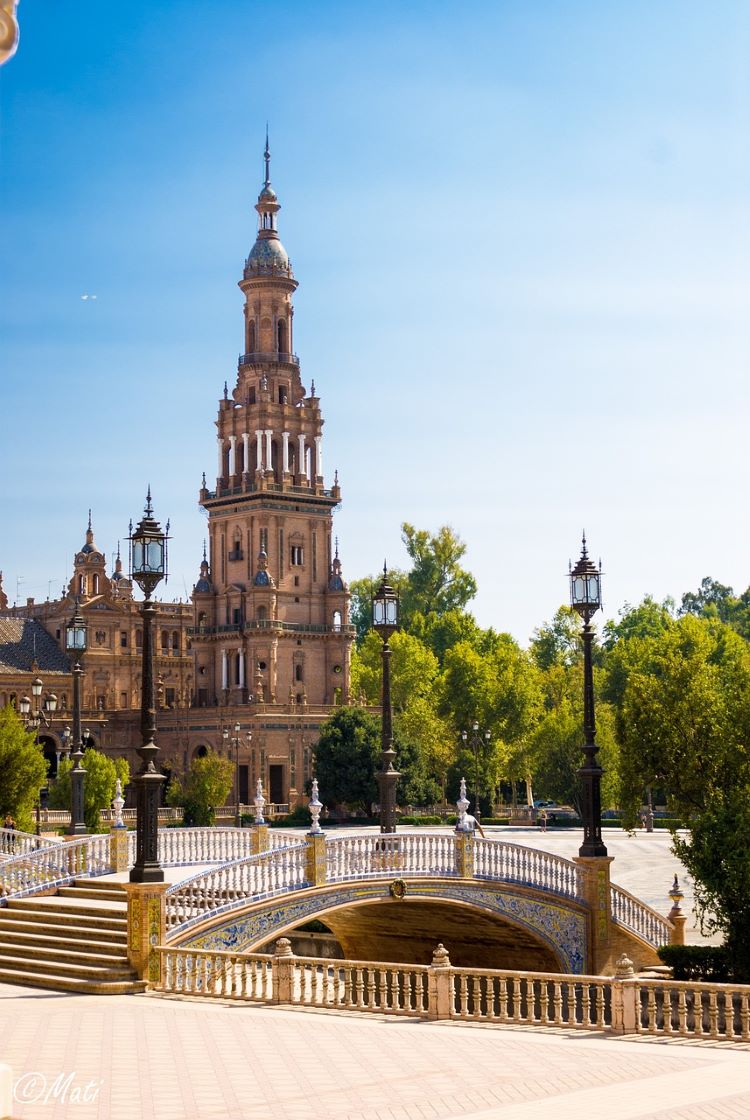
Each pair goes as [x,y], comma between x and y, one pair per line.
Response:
[84,297]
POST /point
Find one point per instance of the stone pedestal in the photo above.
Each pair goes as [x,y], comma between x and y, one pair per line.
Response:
[260,838]
[597,897]
[283,971]
[118,849]
[316,859]
[440,985]
[146,928]
[464,849]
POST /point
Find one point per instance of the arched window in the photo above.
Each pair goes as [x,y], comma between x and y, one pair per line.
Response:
[165,640]
[176,641]
[251,338]
[298,672]
[337,620]
[281,332]
[95,580]
[81,585]
[201,751]
[261,614]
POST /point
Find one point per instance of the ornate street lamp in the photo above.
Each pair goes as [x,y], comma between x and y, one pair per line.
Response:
[476,742]
[236,748]
[385,623]
[75,644]
[148,566]
[586,598]
[34,714]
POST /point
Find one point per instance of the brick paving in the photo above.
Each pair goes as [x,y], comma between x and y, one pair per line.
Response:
[151,1057]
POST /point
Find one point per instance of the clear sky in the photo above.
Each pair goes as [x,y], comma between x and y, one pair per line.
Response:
[521,235]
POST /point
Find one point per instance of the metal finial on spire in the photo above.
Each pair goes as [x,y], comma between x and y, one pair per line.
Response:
[149,508]
[337,548]
[226,391]
[204,552]
[267,159]
[89,525]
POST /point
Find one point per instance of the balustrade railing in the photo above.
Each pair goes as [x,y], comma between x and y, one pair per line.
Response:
[225,888]
[629,912]
[531,998]
[359,857]
[693,1010]
[180,847]
[16,843]
[54,865]
[720,1012]
[512,863]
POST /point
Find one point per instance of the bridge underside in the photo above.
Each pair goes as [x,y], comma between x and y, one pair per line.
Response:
[408,933]
[483,925]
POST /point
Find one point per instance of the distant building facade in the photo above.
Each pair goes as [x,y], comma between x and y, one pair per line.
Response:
[260,657]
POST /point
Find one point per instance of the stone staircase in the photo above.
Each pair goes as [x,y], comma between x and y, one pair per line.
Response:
[74,941]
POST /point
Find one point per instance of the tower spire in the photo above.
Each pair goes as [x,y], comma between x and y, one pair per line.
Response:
[267,159]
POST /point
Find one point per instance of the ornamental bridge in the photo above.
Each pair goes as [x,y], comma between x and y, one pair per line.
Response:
[387,898]
[395,897]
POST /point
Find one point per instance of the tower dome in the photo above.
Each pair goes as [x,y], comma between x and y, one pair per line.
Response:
[268,257]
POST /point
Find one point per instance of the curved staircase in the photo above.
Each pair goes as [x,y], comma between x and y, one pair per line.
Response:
[74,941]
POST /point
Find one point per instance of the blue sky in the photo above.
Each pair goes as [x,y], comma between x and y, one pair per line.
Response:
[522,240]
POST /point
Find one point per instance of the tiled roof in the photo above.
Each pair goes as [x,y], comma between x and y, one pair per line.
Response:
[22,641]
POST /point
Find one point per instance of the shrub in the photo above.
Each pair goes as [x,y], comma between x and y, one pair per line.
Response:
[697,962]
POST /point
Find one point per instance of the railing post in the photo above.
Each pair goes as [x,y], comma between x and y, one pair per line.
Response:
[259,839]
[147,927]
[440,985]
[118,848]
[676,916]
[598,898]
[282,970]
[464,848]
[315,856]
[624,1010]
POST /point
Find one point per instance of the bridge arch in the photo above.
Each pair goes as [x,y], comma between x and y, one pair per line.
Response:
[483,924]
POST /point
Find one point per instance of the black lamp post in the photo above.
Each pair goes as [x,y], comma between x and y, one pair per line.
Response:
[476,742]
[236,747]
[75,644]
[148,566]
[586,598]
[385,623]
[34,714]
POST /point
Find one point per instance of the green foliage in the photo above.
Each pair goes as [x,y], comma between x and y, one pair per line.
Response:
[558,643]
[702,963]
[23,770]
[99,785]
[362,591]
[206,786]
[717,856]
[436,582]
[298,818]
[346,758]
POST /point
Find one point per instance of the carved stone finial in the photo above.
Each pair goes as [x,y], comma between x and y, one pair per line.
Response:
[259,803]
[462,805]
[624,967]
[118,802]
[440,957]
[315,808]
[284,947]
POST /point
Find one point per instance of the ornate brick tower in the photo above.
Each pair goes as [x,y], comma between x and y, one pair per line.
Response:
[271,608]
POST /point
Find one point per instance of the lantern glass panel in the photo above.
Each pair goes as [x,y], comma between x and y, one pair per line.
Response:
[378,612]
[593,589]
[155,556]
[391,607]
[139,555]
[24,705]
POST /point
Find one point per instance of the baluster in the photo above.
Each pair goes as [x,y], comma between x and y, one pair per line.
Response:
[713,1015]
[586,1005]
[557,1000]
[697,1012]
[652,1020]
[745,1017]
[728,1005]
[463,996]
[360,981]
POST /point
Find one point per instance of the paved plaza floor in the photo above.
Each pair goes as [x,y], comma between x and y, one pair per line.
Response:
[166,1059]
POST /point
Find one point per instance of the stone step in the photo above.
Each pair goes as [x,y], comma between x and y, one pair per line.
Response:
[22,909]
[63,968]
[64,931]
[77,891]
[104,884]
[79,953]
[33,938]
[68,984]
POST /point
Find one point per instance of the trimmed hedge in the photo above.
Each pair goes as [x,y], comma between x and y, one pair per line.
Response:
[708,963]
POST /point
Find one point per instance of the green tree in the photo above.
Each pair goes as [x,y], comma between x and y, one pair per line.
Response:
[346,759]
[558,642]
[715,854]
[436,582]
[205,787]
[23,770]
[99,785]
